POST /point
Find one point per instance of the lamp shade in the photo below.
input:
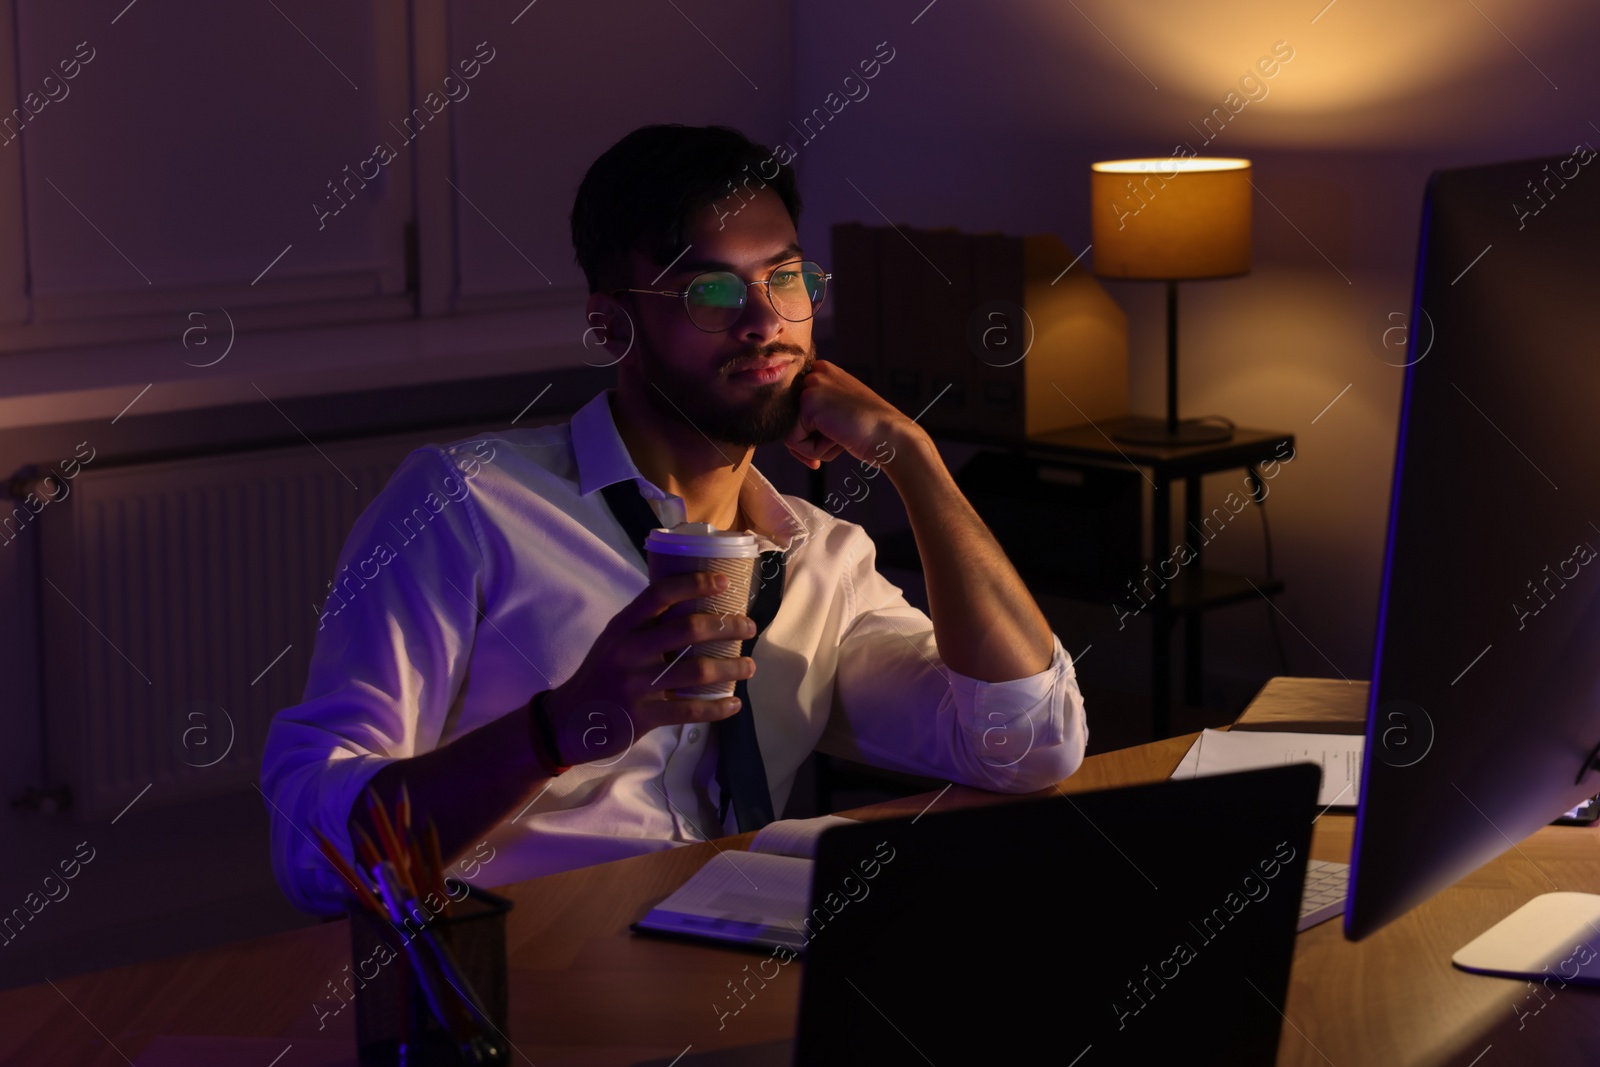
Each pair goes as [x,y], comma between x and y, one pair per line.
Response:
[1170,218]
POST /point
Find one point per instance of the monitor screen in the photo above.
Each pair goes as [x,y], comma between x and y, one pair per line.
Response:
[1485,702]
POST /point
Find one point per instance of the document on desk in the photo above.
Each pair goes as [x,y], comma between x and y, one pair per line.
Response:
[1225,751]
[758,897]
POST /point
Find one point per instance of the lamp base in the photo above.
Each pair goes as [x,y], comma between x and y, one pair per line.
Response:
[1145,431]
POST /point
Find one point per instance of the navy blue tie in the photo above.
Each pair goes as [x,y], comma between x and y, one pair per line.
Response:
[741,774]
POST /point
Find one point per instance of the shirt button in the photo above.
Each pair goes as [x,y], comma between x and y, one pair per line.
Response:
[694,735]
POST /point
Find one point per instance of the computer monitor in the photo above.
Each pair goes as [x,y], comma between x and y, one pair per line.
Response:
[1484,714]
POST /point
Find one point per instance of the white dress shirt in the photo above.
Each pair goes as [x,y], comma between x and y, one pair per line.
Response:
[482,574]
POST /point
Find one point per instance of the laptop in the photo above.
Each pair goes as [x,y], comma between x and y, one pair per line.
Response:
[1132,925]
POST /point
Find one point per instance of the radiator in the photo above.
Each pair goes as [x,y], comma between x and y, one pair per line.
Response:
[178,611]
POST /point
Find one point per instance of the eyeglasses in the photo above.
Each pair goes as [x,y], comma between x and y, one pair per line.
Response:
[716,299]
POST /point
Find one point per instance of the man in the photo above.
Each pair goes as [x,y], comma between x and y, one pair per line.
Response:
[514,630]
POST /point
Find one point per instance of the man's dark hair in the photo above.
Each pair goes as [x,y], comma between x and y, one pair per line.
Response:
[641,191]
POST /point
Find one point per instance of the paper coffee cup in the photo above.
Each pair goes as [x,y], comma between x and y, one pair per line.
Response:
[700,546]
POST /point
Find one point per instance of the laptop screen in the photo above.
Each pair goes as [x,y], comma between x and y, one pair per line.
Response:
[1149,921]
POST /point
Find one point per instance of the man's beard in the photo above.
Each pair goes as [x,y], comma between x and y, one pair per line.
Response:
[769,415]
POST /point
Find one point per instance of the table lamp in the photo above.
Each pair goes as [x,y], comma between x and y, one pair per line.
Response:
[1168,220]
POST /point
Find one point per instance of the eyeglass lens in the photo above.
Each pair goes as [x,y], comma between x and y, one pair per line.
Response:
[717,299]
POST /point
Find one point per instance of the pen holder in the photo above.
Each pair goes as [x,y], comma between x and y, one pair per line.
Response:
[395,1025]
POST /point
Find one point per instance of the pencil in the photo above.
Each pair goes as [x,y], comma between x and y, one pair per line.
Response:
[367,850]
[388,839]
[419,872]
[446,1003]
[357,885]
[436,858]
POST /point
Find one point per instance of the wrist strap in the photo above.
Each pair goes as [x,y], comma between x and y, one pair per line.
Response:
[544,738]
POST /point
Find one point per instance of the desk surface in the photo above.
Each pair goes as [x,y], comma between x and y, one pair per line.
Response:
[586,991]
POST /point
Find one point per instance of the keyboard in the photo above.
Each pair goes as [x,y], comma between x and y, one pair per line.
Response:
[1326,886]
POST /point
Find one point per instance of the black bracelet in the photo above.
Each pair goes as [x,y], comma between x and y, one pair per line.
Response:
[544,736]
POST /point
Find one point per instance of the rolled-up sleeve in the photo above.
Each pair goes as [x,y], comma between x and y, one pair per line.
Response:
[898,706]
[391,654]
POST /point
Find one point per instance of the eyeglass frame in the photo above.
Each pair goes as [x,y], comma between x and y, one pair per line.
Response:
[767,282]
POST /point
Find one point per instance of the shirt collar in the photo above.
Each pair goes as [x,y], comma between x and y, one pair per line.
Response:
[603,459]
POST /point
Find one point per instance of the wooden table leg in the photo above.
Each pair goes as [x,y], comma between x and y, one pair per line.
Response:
[1192,492]
[1161,617]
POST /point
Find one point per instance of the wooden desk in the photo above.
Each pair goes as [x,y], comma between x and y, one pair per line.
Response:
[585,991]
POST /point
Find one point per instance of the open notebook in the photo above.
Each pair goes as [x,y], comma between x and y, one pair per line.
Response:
[758,897]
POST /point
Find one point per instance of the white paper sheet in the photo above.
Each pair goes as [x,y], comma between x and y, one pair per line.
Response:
[740,896]
[1225,751]
[796,837]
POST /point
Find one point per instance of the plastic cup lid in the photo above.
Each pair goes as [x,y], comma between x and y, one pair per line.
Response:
[702,539]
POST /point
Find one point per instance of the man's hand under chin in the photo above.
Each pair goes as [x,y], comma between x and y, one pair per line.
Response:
[839,414]
[985,621]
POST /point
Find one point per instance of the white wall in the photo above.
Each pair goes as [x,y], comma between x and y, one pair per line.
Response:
[989,116]
[568,80]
